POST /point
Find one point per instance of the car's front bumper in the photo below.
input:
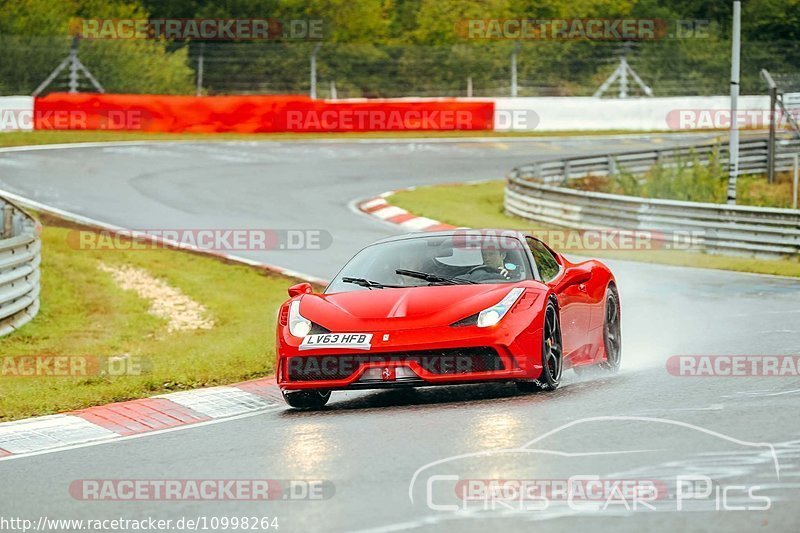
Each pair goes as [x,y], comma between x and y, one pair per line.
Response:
[432,356]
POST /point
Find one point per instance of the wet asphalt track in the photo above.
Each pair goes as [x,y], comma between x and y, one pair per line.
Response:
[370,445]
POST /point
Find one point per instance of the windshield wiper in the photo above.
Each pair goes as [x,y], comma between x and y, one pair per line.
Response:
[432,278]
[369,283]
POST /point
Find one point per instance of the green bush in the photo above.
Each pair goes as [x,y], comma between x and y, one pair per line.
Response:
[688,180]
[692,181]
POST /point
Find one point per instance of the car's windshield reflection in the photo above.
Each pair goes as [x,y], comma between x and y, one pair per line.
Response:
[434,260]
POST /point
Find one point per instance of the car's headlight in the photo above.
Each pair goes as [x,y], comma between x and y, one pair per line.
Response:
[299,326]
[492,315]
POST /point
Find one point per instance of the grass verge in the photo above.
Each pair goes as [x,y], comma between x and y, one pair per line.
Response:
[24,138]
[481,206]
[84,313]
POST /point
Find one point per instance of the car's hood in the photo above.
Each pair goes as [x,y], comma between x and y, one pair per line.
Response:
[407,308]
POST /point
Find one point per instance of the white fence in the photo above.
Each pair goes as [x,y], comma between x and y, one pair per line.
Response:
[632,114]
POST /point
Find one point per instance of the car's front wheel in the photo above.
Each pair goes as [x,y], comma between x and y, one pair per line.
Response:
[307,399]
[612,333]
[552,355]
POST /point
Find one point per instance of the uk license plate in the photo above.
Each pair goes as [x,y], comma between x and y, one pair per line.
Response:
[350,341]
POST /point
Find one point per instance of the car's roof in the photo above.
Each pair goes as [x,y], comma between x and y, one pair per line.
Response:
[452,232]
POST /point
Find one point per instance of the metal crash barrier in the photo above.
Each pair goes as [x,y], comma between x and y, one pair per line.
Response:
[20,256]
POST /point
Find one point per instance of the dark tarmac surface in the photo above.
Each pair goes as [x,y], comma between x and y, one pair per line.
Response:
[394,457]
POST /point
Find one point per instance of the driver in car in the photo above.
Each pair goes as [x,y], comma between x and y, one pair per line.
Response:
[496,267]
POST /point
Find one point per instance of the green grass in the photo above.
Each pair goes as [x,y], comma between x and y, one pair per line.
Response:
[481,206]
[58,137]
[83,313]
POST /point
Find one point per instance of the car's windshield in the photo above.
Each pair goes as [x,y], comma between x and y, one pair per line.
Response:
[433,260]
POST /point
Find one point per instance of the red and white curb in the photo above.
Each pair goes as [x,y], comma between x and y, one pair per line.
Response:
[378,207]
[125,419]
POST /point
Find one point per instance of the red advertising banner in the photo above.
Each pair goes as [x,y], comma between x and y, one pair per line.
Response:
[255,114]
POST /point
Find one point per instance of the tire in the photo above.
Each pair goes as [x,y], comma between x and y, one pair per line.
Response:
[307,399]
[552,355]
[612,333]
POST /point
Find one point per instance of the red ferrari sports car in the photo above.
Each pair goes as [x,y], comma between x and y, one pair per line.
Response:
[443,308]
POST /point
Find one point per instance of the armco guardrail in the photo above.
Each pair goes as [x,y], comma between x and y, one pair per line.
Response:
[752,160]
[531,193]
[20,255]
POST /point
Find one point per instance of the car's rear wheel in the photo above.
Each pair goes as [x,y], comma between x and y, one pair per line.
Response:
[552,355]
[307,399]
[612,332]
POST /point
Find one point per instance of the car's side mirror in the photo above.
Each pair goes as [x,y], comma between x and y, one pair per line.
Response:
[300,288]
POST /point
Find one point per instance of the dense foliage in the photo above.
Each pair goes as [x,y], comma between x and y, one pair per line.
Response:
[400,47]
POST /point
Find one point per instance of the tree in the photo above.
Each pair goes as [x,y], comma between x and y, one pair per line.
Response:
[36,36]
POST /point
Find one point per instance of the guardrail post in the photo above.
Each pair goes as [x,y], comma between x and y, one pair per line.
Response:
[8,221]
[773,102]
[514,52]
[794,181]
[771,141]
[312,92]
[200,64]
[566,172]
[612,166]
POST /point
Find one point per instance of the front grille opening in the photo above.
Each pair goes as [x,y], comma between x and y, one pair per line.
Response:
[316,329]
[443,362]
